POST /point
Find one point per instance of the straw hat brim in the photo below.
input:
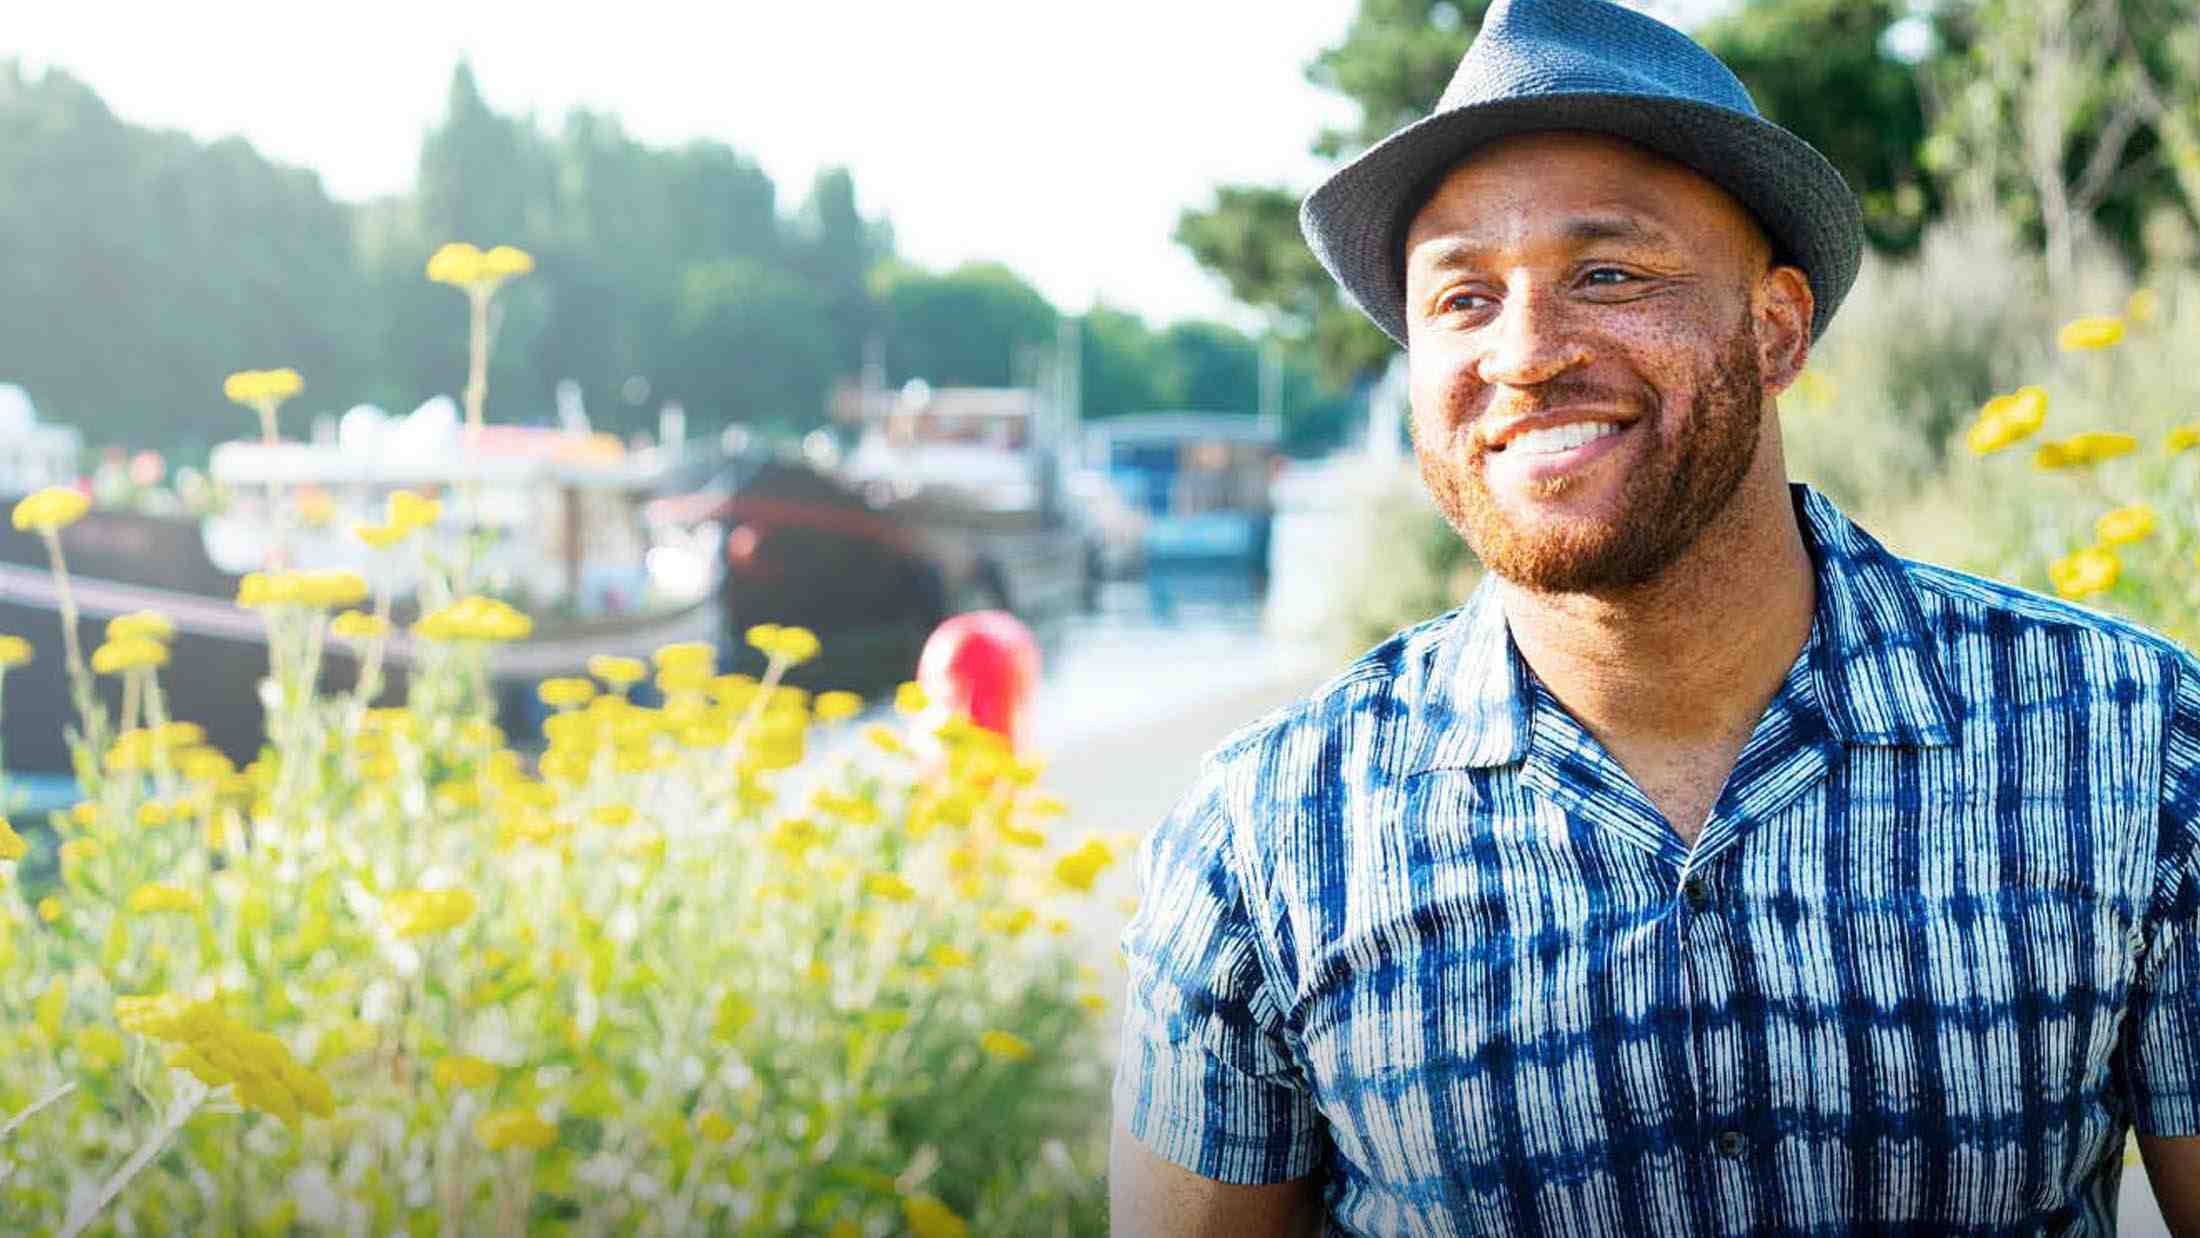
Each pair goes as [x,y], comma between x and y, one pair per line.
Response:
[1356,221]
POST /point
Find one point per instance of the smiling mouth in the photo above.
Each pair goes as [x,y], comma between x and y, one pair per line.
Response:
[1553,440]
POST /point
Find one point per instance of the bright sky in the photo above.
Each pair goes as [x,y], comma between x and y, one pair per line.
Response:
[1060,138]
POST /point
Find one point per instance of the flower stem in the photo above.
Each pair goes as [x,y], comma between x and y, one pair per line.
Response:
[179,1112]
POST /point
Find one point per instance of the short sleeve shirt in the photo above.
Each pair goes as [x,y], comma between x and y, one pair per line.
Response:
[1935,951]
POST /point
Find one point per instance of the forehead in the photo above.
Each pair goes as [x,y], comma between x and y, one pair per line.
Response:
[1577,188]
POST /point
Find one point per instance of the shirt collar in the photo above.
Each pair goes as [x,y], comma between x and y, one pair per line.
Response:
[1871,661]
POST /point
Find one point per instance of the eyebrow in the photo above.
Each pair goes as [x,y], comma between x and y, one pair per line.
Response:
[1578,231]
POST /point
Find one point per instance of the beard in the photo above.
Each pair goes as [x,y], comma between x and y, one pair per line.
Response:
[1665,502]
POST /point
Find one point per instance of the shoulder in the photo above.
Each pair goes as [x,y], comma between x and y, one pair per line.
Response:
[1372,690]
[1974,617]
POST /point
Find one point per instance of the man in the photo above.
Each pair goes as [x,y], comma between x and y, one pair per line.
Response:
[1711,871]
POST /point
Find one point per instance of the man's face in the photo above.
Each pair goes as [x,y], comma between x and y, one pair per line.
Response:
[1586,373]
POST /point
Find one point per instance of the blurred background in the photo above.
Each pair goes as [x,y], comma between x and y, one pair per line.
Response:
[861,316]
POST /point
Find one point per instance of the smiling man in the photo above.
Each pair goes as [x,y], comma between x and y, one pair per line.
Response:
[1712,870]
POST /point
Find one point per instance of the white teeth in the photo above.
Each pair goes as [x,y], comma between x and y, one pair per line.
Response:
[1562,438]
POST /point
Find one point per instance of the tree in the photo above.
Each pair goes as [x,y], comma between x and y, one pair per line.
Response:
[836,247]
[1214,367]
[972,326]
[754,343]
[1827,70]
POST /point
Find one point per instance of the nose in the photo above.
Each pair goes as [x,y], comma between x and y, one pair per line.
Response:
[1532,341]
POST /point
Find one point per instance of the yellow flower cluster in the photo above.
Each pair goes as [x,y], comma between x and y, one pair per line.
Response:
[2125,525]
[131,653]
[358,625]
[218,1050]
[419,913]
[2091,334]
[55,507]
[2007,419]
[463,266]
[14,651]
[314,590]
[474,618]
[616,671]
[262,388]
[404,514]
[2080,450]
[460,1070]
[13,846]
[790,645]
[2083,573]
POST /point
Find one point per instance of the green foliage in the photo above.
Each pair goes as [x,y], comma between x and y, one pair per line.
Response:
[972,326]
[1823,70]
[743,308]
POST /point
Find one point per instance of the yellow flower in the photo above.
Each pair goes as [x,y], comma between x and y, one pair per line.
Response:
[612,816]
[1080,868]
[474,618]
[686,654]
[910,699]
[13,846]
[2090,447]
[463,266]
[514,1128]
[929,1218]
[838,706]
[565,693]
[259,589]
[2006,419]
[2144,304]
[889,886]
[331,589]
[460,1070]
[134,653]
[617,671]
[217,1050]
[157,896]
[55,507]
[257,387]
[1008,922]
[2090,334]
[2125,525]
[358,625]
[148,624]
[381,536]
[152,814]
[1007,1046]
[49,908]
[946,955]
[407,510]
[14,651]
[417,913]
[791,645]
[2083,573]
[712,1125]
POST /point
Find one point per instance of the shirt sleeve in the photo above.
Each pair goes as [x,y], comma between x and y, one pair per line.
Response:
[1208,1077]
[2162,1032]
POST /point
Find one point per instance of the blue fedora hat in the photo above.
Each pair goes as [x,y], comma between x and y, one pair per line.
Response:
[1585,65]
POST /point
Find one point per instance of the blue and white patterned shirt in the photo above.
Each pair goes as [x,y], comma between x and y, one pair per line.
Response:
[1935,951]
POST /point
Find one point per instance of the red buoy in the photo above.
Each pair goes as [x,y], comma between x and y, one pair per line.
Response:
[984,663]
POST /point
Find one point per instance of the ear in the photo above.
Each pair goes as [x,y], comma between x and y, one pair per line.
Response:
[1782,308]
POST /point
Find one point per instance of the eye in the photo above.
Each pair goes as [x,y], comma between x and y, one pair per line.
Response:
[1608,277]
[1461,301]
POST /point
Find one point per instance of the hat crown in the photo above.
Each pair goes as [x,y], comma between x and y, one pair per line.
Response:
[1538,47]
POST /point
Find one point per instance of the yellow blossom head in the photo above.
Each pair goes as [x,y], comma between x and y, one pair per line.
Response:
[418,913]
[358,625]
[157,897]
[262,389]
[2007,419]
[474,618]
[617,671]
[408,510]
[838,706]
[2125,525]
[790,645]
[129,654]
[55,507]
[2143,306]
[2083,573]
[2090,334]
[14,651]
[460,1070]
[1007,1046]
[463,266]
[381,536]
[565,692]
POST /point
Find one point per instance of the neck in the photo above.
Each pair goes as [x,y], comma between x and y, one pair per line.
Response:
[1694,655]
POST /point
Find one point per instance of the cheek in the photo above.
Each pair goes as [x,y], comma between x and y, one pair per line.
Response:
[1442,397]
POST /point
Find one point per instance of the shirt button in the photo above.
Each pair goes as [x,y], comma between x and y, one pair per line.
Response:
[1698,893]
[1732,1144]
